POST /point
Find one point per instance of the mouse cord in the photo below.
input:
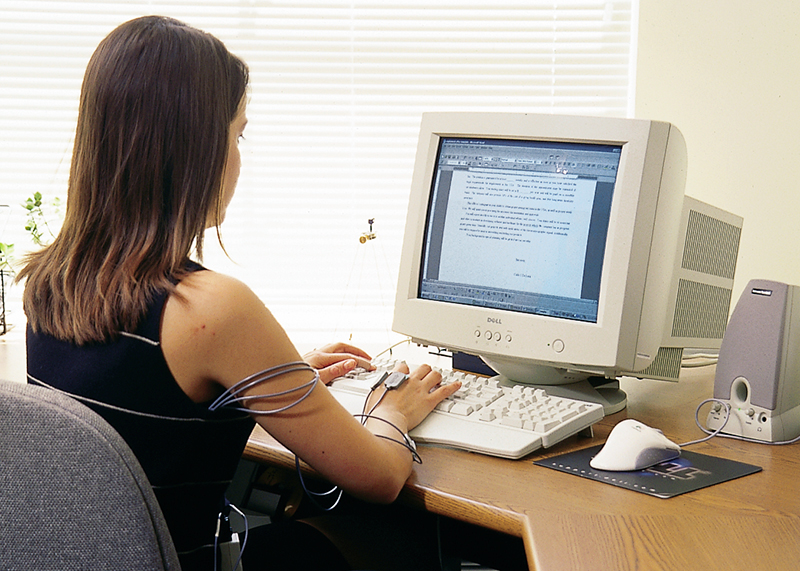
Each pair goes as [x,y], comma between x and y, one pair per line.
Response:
[711,434]
[718,432]
[389,349]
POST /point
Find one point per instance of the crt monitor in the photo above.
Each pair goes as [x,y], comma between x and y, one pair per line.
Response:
[543,243]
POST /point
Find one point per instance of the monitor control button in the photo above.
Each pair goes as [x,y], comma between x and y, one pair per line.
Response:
[498,336]
[558,345]
[488,335]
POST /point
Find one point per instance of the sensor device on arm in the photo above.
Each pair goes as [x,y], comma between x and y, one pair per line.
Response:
[390,381]
[234,395]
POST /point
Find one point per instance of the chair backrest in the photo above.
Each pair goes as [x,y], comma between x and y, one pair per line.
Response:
[72,494]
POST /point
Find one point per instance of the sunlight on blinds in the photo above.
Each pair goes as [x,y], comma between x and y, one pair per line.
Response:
[337,92]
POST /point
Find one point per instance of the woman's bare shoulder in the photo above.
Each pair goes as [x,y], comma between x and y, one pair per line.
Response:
[216,327]
[209,283]
[214,296]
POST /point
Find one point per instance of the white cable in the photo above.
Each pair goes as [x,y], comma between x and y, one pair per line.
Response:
[311,495]
[389,349]
[246,533]
[718,432]
[697,362]
[710,433]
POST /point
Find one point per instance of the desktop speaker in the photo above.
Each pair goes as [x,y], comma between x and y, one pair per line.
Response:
[758,372]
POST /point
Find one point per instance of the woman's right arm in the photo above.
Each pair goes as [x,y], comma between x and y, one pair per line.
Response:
[216,332]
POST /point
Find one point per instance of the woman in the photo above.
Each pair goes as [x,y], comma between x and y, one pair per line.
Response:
[120,317]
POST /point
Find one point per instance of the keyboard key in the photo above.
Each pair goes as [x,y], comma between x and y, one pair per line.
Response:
[445,405]
[513,421]
[461,409]
[487,415]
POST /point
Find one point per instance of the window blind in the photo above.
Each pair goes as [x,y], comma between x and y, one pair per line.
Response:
[337,91]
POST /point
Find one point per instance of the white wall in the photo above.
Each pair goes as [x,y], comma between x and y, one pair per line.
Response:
[727,73]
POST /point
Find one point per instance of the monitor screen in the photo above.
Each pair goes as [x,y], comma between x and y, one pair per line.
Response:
[519,225]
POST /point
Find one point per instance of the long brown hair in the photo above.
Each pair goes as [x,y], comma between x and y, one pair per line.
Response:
[156,105]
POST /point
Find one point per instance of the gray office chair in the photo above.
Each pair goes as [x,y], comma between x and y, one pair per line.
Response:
[72,494]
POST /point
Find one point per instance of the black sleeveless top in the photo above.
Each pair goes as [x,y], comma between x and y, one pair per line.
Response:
[188,453]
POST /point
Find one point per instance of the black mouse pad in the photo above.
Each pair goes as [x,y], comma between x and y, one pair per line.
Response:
[690,472]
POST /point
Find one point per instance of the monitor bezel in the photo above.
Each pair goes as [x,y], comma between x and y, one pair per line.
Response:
[638,265]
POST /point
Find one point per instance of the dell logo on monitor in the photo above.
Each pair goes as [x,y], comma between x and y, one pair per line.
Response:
[495,320]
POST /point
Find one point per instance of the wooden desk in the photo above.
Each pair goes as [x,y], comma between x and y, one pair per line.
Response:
[569,523]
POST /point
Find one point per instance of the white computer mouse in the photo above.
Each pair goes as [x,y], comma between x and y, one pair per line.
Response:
[631,446]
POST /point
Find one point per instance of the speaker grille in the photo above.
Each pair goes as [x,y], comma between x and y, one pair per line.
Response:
[666,366]
[711,245]
[701,310]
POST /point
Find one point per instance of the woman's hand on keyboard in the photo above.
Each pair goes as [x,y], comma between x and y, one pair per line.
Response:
[336,360]
[415,398]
